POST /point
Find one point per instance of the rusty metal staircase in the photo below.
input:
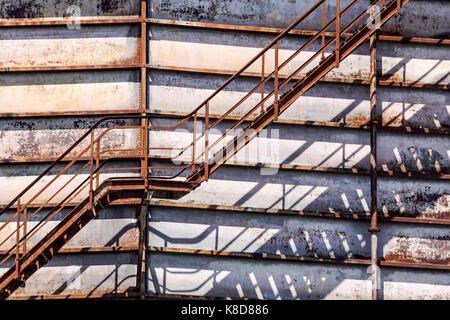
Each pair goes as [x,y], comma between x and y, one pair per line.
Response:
[95,184]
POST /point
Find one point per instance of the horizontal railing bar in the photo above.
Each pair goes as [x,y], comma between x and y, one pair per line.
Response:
[84,136]
[263,51]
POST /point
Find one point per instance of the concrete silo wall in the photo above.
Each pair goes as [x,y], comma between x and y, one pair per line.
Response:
[299,232]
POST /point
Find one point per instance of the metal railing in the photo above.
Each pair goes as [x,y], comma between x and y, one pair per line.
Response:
[94,158]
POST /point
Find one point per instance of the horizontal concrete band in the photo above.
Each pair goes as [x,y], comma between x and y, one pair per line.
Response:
[257,256]
[243,209]
[137,19]
[207,25]
[85,250]
[423,175]
[129,294]
[363,81]
[353,80]
[168,114]
[265,256]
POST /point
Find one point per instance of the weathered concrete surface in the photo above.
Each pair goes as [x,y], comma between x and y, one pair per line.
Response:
[68,92]
[58,9]
[86,46]
[115,226]
[15,178]
[280,144]
[414,153]
[172,91]
[430,15]
[241,278]
[413,243]
[344,103]
[310,191]
[306,236]
[228,52]
[82,274]
[414,107]
[47,138]
[318,147]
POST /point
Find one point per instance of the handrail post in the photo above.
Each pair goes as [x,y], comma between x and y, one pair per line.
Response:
[263,62]
[97,163]
[145,150]
[17,241]
[143,93]
[91,173]
[374,228]
[25,217]
[206,141]
[276,83]
[323,26]
[338,33]
[194,142]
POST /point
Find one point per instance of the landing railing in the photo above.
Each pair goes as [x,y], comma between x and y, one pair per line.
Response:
[94,154]
[202,150]
[64,189]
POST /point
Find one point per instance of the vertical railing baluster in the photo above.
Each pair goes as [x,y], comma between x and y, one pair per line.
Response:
[206,141]
[194,142]
[276,82]
[97,164]
[374,228]
[323,26]
[146,151]
[338,33]
[263,62]
[91,187]
[25,217]
[17,241]
[399,5]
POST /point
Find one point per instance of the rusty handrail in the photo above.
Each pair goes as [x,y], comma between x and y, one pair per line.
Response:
[275,41]
[93,175]
[203,158]
[264,79]
[65,153]
[339,14]
[67,200]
